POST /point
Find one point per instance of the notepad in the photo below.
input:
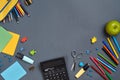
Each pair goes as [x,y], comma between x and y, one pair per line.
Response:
[14,72]
[12,44]
[5,37]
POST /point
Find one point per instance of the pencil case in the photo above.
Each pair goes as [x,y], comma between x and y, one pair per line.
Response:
[5,7]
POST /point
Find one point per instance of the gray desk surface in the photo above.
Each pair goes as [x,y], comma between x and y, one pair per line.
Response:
[56,27]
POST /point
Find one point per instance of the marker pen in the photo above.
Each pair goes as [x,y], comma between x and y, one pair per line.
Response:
[24,58]
[82,70]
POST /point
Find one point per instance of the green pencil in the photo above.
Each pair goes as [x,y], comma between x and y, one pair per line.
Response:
[102,56]
[106,73]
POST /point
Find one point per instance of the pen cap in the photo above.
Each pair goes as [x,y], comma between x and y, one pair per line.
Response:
[27,59]
[19,55]
[86,66]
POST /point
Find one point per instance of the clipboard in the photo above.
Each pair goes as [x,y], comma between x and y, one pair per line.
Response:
[5,7]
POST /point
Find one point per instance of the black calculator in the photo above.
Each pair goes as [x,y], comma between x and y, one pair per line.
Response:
[54,69]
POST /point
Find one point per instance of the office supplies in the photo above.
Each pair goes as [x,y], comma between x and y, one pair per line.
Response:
[15,16]
[107,74]
[116,43]
[92,59]
[14,72]
[102,56]
[111,68]
[5,37]
[93,40]
[28,2]
[24,58]
[26,12]
[20,9]
[11,46]
[82,70]
[103,76]
[109,48]
[73,54]
[54,69]
[110,54]
[112,47]
[107,69]
[5,7]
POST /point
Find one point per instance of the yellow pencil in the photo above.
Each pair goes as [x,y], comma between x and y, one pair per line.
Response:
[21,10]
[111,45]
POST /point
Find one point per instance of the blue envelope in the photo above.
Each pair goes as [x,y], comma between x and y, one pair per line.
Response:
[14,72]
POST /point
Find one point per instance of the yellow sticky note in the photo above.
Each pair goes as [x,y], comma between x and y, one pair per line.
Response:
[12,44]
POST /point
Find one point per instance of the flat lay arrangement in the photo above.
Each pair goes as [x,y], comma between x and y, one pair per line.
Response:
[23,57]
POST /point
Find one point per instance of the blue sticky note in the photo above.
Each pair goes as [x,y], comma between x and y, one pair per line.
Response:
[14,72]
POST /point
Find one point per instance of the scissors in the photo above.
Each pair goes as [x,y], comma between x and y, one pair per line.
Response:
[74,56]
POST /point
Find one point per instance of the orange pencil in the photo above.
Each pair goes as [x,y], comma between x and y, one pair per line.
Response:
[110,54]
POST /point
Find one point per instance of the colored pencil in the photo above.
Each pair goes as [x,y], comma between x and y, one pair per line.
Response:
[107,60]
[109,48]
[112,47]
[92,59]
[116,43]
[26,12]
[110,54]
[103,76]
[107,69]
[15,16]
[107,74]
[106,64]
[20,9]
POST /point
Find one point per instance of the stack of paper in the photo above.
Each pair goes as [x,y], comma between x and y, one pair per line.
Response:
[8,41]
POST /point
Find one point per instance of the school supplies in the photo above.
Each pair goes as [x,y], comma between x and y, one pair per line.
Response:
[24,58]
[12,44]
[110,54]
[14,72]
[17,11]
[92,59]
[111,68]
[5,37]
[54,69]
[109,48]
[82,71]
[111,45]
[107,60]
[103,76]
[5,7]
[116,43]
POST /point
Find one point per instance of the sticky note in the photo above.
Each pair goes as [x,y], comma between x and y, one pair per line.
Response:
[11,46]
[5,37]
[14,72]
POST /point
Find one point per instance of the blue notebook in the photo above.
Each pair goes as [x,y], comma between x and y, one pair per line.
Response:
[14,72]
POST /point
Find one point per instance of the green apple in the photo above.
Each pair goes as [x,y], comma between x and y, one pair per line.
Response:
[112,28]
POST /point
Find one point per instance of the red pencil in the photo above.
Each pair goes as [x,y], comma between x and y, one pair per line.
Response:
[107,69]
[110,54]
[92,58]
[103,76]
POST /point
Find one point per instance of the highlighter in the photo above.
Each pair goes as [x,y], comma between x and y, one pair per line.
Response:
[24,58]
[82,70]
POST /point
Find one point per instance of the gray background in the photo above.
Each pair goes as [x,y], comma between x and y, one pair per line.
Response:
[56,27]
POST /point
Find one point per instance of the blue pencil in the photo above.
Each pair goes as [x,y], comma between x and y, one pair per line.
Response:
[116,43]
[106,44]
[99,59]
[16,12]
